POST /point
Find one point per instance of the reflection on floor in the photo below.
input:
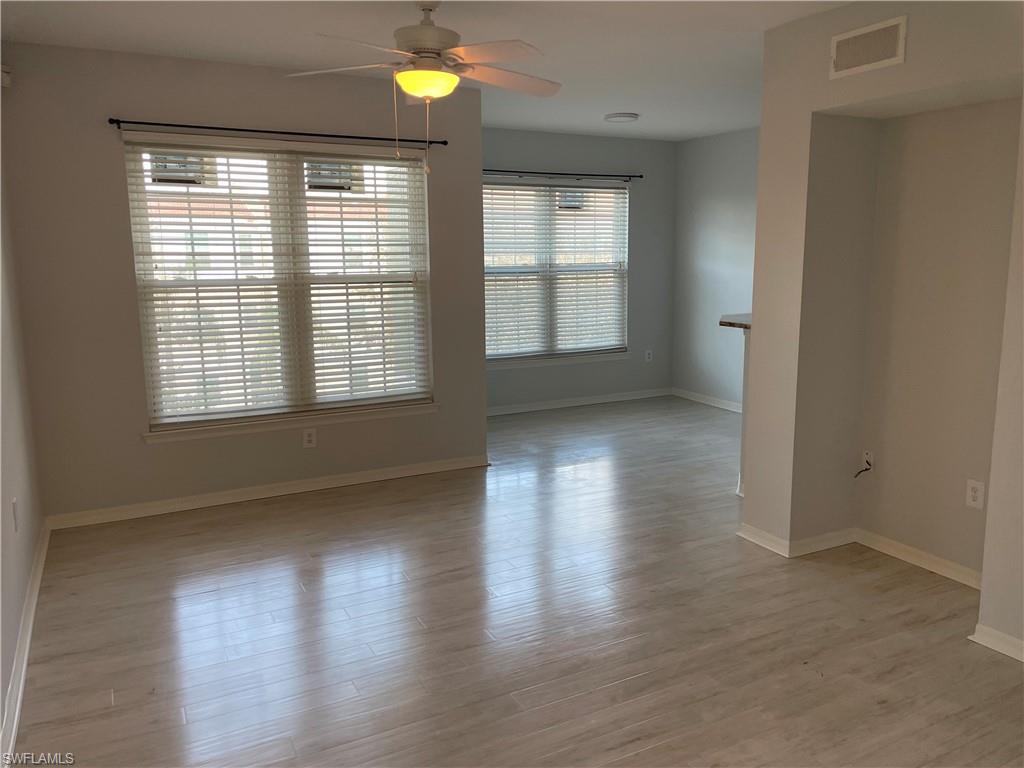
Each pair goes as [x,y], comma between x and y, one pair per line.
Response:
[583,602]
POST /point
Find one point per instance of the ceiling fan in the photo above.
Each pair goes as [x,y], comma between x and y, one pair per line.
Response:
[432,61]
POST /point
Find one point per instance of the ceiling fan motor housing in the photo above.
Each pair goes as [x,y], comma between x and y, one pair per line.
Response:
[426,38]
[433,60]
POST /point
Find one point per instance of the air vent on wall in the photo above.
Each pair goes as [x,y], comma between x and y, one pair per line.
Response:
[872,47]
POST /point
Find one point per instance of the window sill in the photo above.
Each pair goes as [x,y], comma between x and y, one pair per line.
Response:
[502,363]
[282,421]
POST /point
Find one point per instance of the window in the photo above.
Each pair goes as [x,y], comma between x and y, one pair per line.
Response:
[274,280]
[555,263]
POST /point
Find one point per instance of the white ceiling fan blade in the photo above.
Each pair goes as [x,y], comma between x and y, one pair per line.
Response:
[513,81]
[497,50]
[343,69]
[374,46]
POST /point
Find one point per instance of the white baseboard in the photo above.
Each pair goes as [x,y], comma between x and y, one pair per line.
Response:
[573,402]
[182,503]
[615,397]
[920,558]
[998,641]
[728,405]
[887,546]
[16,687]
[829,540]
[764,539]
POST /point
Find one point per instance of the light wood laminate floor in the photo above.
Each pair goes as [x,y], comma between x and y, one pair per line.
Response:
[584,601]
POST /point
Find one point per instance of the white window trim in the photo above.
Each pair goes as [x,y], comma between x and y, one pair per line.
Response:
[274,422]
[505,362]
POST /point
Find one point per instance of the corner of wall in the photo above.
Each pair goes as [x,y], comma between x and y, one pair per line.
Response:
[15,690]
[715,212]
[1001,612]
[838,249]
[25,535]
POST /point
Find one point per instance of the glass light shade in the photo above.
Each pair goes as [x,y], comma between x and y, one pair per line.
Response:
[427,83]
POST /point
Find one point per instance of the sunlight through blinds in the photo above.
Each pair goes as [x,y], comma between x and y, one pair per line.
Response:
[273,281]
[555,263]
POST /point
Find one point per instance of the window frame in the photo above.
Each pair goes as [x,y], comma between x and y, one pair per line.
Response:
[285,416]
[550,355]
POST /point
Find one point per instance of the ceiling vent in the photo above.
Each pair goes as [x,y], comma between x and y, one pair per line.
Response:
[872,47]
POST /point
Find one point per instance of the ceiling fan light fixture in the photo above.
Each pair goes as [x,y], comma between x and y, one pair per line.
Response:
[622,117]
[427,83]
[432,60]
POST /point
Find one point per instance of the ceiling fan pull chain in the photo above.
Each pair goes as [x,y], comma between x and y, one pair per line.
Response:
[426,147]
[394,93]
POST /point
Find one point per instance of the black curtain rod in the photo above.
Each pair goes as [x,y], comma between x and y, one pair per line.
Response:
[579,176]
[120,122]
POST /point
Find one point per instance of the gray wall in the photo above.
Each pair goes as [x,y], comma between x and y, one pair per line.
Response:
[837,270]
[1002,579]
[716,206]
[907,231]
[935,320]
[70,230]
[17,478]
[651,246]
[955,50]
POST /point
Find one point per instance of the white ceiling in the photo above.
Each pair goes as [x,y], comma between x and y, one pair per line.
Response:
[689,68]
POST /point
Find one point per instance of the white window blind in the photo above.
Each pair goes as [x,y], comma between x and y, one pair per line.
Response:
[274,281]
[555,263]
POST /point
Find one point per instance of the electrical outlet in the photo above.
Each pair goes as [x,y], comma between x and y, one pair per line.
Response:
[975,494]
[14,512]
[309,438]
[649,355]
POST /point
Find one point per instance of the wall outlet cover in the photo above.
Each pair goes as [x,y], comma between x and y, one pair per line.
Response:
[309,438]
[975,494]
